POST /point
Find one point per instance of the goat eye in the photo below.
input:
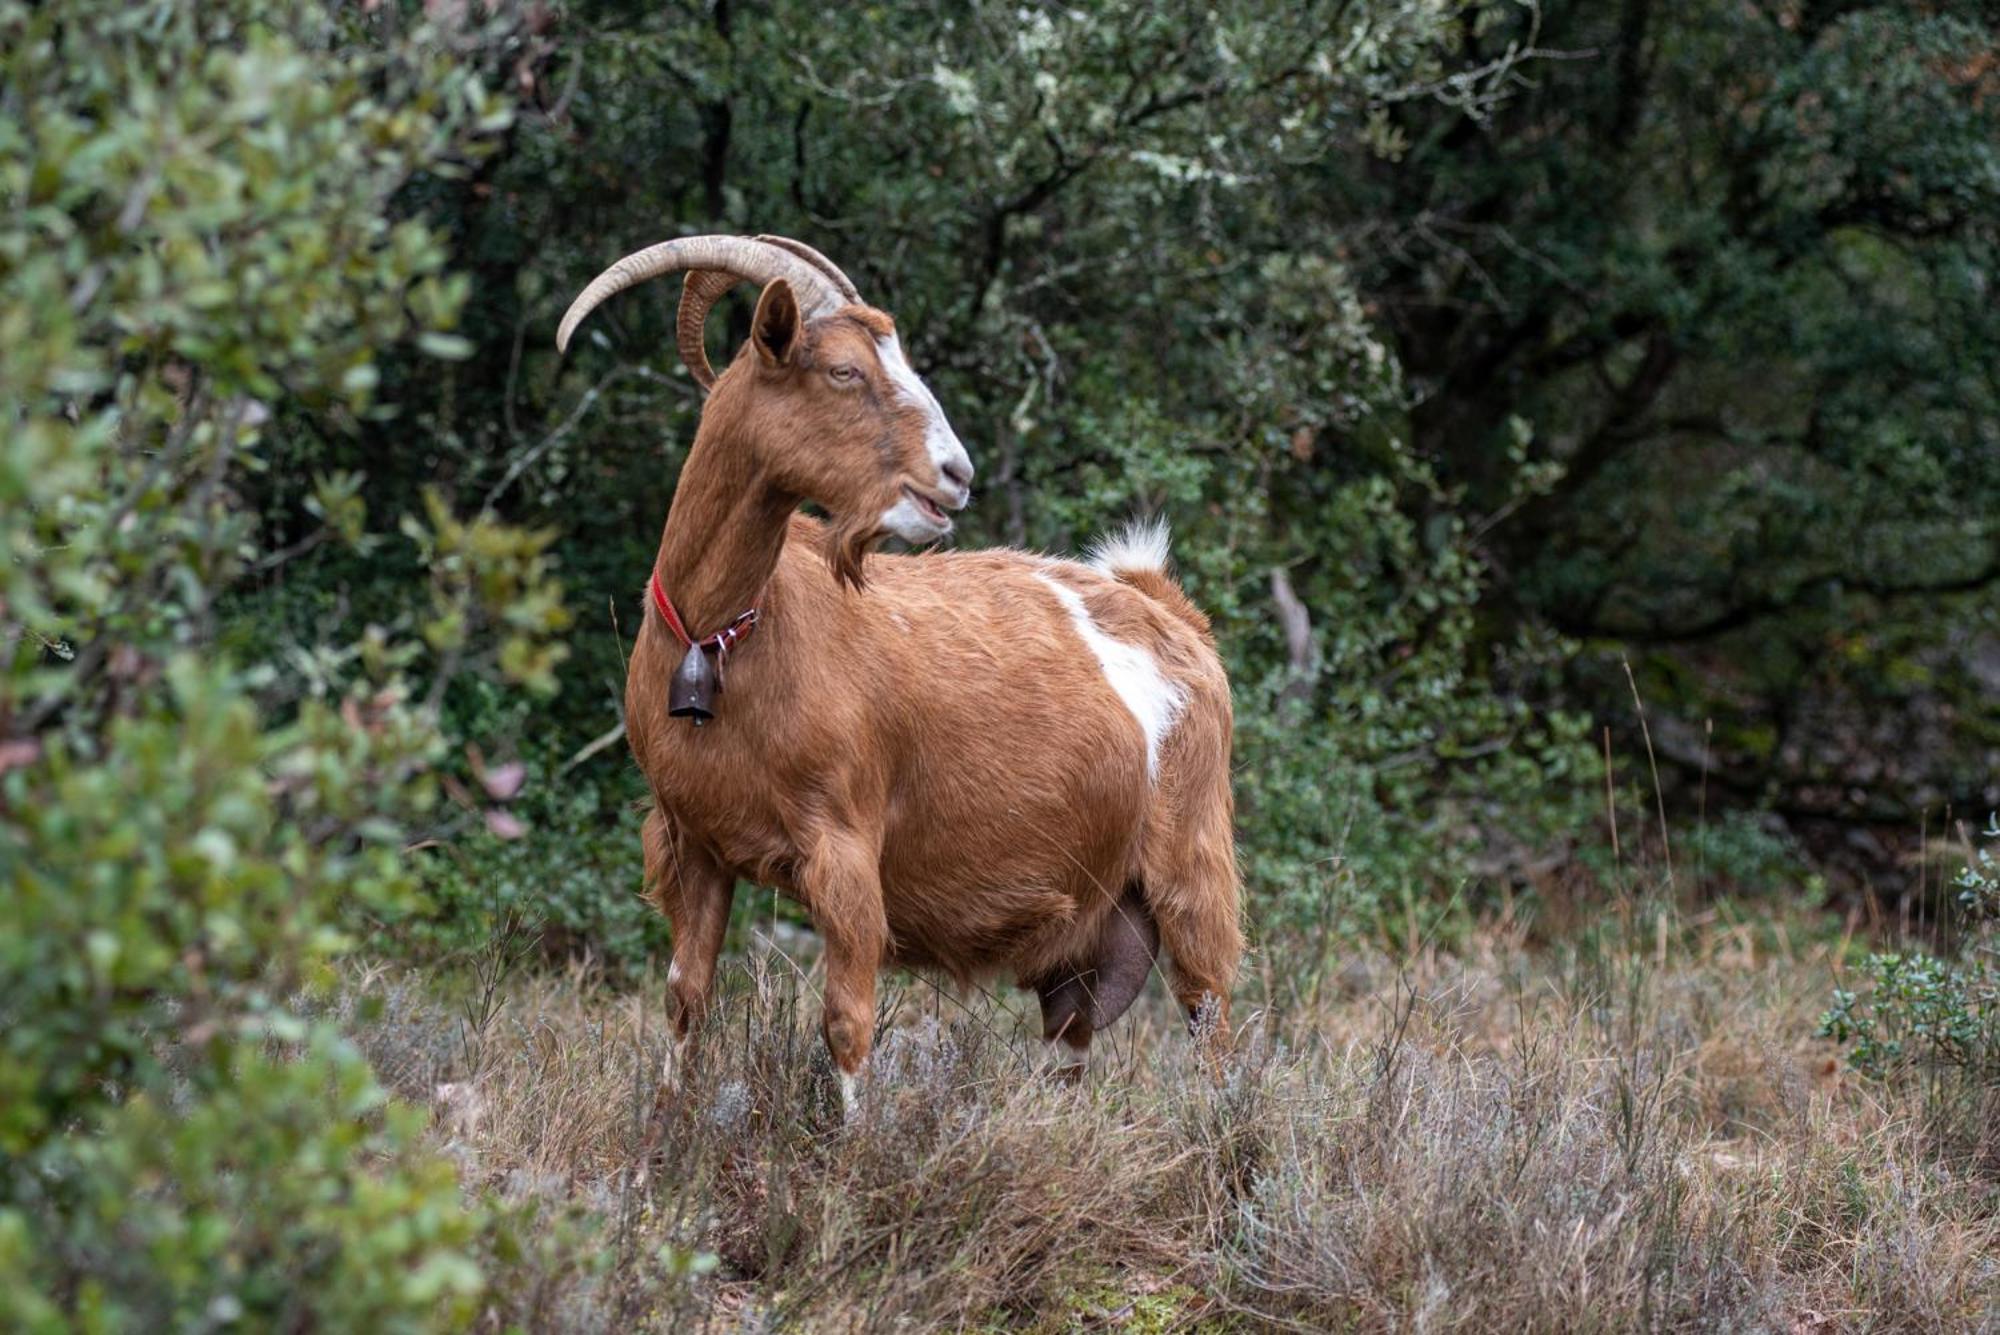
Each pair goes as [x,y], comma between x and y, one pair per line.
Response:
[844,375]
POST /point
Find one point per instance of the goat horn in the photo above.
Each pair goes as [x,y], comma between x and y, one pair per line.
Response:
[746,260]
[704,287]
[819,262]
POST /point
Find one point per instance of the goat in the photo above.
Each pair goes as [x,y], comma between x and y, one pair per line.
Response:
[967,762]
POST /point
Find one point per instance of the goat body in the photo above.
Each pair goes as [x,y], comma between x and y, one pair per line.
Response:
[972,762]
[951,727]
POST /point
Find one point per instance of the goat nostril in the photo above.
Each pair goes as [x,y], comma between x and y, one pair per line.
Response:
[959,471]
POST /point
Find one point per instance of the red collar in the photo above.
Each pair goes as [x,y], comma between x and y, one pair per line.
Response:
[719,643]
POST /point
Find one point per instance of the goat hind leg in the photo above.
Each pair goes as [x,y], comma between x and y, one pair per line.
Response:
[1192,890]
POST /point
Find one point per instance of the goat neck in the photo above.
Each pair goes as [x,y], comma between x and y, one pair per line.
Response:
[723,533]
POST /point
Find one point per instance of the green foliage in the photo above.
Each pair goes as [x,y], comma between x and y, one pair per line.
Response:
[1920,1011]
[1737,268]
[223,237]
[1746,854]
[171,885]
[200,259]
[1420,776]
[1926,1013]
[485,572]
[297,1197]
[1978,881]
[573,876]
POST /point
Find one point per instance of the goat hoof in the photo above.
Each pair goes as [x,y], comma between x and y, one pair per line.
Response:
[674,1067]
[850,1099]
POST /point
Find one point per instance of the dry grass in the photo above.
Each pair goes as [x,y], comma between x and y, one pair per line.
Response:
[1610,1137]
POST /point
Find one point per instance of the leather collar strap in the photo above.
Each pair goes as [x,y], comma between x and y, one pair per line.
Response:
[719,643]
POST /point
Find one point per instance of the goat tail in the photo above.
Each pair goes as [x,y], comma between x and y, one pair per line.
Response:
[1139,555]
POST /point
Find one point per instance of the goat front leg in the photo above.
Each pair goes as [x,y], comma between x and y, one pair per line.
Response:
[694,891]
[842,881]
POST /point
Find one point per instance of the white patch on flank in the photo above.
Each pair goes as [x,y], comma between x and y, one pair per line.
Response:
[1140,545]
[945,448]
[1153,700]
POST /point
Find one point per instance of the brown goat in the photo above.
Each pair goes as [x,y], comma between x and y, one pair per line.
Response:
[972,762]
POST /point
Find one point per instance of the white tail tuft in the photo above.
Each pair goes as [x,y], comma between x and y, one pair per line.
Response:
[1143,544]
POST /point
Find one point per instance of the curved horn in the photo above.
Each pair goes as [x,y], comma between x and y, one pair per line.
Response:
[819,262]
[704,287]
[745,259]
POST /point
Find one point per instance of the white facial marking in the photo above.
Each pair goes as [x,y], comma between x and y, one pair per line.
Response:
[946,451]
[907,520]
[1153,700]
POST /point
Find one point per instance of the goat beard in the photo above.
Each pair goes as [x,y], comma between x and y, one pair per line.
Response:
[848,543]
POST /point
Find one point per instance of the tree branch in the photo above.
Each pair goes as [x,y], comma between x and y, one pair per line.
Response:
[1779,602]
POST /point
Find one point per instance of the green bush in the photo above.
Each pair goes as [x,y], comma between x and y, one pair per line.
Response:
[201,257]
[287,1194]
[1931,1014]
[1919,1011]
[572,877]
[1932,1023]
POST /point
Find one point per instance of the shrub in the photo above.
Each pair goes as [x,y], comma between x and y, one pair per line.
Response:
[286,1192]
[573,883]
[201,256]
[1923,1011]
[1920,1011]
[1935,1022]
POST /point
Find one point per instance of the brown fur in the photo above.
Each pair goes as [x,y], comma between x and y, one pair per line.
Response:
[931,761]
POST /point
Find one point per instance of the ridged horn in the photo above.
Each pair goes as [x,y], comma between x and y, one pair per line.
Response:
[819,262]
[704,287]
[746,260]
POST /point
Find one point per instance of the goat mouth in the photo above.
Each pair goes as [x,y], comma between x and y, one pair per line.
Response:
[928,508]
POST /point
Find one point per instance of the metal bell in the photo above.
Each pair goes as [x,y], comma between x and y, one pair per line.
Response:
[692,692]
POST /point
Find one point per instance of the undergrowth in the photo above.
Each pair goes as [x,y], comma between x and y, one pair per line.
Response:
[1637,1131]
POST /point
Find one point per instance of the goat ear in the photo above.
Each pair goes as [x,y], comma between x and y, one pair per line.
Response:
[775,327]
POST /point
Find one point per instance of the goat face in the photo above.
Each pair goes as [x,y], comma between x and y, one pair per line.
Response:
[845,423]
